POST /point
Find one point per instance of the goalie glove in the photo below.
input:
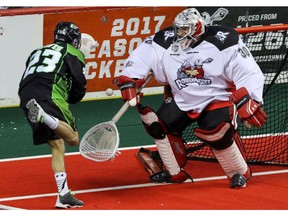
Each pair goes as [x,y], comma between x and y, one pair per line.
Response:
[248,109]
[128,87]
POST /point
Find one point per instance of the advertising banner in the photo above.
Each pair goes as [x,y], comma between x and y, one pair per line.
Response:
[244,16]
[118,32]
[265,46]
[19,35]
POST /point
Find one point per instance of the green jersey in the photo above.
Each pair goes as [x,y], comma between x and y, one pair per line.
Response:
[54,71]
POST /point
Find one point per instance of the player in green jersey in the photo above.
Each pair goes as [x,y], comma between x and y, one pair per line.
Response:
[54,78]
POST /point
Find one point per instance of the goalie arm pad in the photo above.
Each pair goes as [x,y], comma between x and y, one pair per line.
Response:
[248,109]
[128,87]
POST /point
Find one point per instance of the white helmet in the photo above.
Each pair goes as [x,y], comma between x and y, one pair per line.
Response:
[188,26]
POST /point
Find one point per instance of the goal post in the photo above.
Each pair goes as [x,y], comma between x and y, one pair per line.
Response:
[269,143]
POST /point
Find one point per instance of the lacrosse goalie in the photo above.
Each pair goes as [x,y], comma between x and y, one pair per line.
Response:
[211,78]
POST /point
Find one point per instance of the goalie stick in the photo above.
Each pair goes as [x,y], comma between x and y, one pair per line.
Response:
[100,143]
[88,44]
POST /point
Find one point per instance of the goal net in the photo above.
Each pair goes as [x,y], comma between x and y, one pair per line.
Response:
[267,144]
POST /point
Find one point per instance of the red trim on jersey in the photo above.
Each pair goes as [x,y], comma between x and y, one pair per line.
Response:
[210,107]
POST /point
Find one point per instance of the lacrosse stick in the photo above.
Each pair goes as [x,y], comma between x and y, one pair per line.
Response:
[87,44]
[100,143]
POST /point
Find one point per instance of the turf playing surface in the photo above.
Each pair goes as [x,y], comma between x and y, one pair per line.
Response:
[16,135]
[124,185]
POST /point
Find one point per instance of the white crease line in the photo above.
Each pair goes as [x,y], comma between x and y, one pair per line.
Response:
[135,186]
[67,154]
[5,207]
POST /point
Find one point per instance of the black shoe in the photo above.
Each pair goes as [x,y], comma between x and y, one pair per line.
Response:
[238,181]
[68,201]
[160,177]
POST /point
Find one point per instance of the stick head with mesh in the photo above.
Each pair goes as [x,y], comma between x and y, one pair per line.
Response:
[88,44]
[100,143]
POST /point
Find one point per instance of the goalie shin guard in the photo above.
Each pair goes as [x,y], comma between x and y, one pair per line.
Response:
[234,165]
[173,155]
[231,160]
[225,149]
[171,148]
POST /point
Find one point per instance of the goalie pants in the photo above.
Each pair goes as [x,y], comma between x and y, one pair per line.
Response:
[176,120]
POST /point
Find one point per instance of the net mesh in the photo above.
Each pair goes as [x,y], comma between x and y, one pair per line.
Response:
[267,144]
[99,142]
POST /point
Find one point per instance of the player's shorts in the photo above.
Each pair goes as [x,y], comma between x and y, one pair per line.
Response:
[57,108]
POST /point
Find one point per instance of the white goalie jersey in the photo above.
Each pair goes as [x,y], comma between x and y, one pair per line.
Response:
[203,74]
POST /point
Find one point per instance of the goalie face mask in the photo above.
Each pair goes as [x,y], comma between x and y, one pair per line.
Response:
[68,32]
[188,27]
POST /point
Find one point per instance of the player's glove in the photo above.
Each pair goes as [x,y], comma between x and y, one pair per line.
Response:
[248,109]
[128,87]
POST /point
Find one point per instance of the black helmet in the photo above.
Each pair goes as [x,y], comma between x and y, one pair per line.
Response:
[68,32]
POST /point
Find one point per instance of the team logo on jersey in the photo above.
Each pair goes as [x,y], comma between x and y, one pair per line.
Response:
[192,73]
[168,34]
[222,36]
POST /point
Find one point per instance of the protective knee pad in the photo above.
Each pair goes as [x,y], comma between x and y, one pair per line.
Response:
[153,126]
[219,138]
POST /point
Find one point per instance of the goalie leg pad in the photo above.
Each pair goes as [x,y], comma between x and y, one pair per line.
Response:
[240,144]
[225,148]
[178,149]
[219,138]
[171,148]
[167,155]
[173,155]
[231,161]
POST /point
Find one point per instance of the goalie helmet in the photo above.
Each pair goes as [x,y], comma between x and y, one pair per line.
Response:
[68,32]
[188,27]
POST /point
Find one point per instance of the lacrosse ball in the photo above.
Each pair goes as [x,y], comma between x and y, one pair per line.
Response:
[109,91]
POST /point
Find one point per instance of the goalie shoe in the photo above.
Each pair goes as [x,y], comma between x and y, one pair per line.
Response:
[153,164]
[239,181]
[164,176]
